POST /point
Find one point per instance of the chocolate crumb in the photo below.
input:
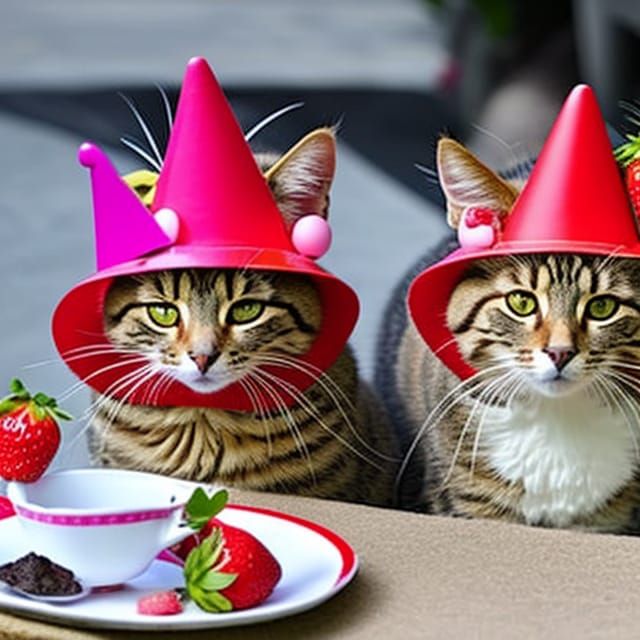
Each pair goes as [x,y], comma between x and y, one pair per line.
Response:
[38,575]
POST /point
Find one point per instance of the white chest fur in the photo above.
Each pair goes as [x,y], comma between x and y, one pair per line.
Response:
[571,455]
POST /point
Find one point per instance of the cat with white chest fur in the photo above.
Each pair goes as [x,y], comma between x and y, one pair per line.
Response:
[520,382]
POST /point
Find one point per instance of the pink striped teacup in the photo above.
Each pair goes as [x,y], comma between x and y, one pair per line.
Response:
[106,525]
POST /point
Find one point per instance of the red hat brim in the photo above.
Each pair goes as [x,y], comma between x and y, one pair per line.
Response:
[431,290]
[78,324]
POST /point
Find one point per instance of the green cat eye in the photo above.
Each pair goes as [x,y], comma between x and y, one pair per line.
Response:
[245,311]
[164,315]
[522,303]
[602,307]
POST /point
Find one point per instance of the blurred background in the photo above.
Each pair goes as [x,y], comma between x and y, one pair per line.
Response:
[394,74]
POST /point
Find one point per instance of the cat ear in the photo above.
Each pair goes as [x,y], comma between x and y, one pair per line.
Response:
[467,182]
[301,179]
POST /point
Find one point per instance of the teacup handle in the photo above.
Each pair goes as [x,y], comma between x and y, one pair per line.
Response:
[178,531]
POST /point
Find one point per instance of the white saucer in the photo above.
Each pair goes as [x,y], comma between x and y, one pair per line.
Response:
[316,564]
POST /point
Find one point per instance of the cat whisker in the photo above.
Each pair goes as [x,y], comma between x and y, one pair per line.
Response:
[106,348]
[102,352]
[77,386]
[136,148]
[152,388]
[320,374]
[444,345]
[459,393]
[115,387]
[608,259]
[328,385]
[270,118]
[145,374]
[503,143]
[321,379]
[311,410]
[497,382]
[263,381]
[120,383]
[145,129]
[431,174]
[624,364]
[259,407]
[167,107]
[509,391]
[619,397]
[91,412]
[166,380]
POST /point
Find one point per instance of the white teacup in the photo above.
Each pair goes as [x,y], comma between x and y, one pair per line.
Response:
[105,525]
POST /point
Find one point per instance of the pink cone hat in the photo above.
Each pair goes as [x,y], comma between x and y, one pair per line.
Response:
[574,202]
[212,209]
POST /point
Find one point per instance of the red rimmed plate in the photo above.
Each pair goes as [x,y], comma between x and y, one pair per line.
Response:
[316,564]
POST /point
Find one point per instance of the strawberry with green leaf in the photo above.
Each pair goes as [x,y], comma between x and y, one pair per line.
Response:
[230,570]
[628,156]
[225,568]
[29,433]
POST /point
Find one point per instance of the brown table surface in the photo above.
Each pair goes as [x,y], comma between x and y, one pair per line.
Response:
[428,577]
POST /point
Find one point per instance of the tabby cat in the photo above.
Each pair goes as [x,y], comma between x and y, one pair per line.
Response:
[546,432]
[208,328]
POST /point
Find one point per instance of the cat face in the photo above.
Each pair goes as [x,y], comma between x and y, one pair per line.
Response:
[558,323]
[562,322]
[210,328]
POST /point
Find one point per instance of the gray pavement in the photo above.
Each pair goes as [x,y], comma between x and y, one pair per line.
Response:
[380,227]
[383,43]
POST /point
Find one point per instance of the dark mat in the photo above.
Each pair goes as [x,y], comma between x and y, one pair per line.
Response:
[392,129]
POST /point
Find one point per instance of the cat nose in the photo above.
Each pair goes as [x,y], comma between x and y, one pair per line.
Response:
[560,356]
[204,361]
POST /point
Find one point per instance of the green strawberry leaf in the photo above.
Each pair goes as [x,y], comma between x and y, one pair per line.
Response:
[201,508]
[17,388]
[216,581]
[40,404]
[7,405]
[209,601]
[203,581]
[205,557]
[42,399]
[61,413]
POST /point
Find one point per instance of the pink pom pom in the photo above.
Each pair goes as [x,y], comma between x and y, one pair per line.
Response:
[169,222]
[88,154]
[311,236]
[477,228]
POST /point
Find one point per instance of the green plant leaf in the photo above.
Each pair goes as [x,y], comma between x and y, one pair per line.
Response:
[16,387]
[192,561]
[215,581]
[61,413]
[7,405]
[203,557]
[42,399]
[18,390]
[210,601]
[201,508]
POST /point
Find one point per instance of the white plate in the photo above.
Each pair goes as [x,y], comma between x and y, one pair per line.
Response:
[316,564]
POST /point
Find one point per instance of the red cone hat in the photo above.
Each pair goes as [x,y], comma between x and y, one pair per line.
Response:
[212,209]
[574,202]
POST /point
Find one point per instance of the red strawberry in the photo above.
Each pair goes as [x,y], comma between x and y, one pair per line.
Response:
[632,179]
[29,434]
[475,216]
[161,603]
[230,569]
[6,508]
[628,155]
[184,548]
